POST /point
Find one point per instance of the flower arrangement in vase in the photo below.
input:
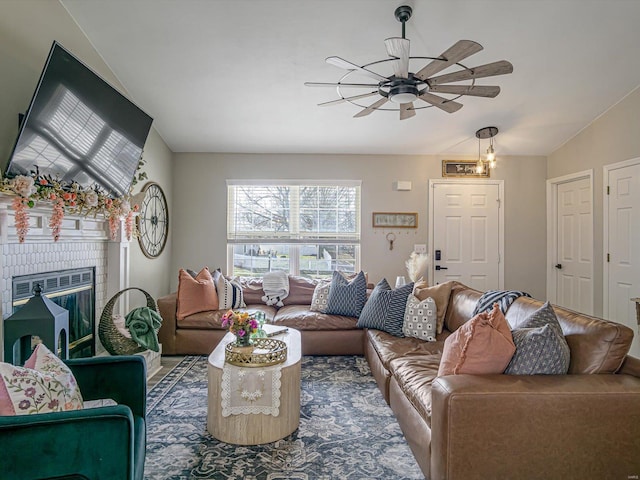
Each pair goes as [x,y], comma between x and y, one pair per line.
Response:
[242,325]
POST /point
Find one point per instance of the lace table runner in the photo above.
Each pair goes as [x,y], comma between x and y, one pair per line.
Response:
[251,390]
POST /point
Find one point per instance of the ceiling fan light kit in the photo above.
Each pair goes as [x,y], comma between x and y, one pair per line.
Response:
[490,160]
[405,87]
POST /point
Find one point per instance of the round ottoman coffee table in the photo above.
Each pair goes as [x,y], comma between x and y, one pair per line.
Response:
[256,428]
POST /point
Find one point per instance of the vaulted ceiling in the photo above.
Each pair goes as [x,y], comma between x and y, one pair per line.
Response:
[228,75]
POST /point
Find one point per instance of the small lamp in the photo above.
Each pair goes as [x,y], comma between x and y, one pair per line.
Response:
[39,316]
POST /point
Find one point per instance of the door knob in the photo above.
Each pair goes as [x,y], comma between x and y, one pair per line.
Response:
[438,267]
[559,266]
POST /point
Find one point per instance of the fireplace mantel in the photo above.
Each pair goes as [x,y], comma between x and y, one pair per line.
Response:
[74,227]
[84,241]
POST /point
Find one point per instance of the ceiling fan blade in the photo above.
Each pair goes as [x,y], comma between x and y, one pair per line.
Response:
[399,48]
[472,90]
[349,85]
[346,99]
[489,70]
[342,63]
[406,110]
[459,51]
[374,106]
[448,106]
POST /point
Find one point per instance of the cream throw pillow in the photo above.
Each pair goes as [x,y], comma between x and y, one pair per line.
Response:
[440,294]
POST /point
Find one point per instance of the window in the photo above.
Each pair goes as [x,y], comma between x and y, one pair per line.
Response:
[307,228]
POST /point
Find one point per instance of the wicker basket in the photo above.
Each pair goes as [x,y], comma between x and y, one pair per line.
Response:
[113,341]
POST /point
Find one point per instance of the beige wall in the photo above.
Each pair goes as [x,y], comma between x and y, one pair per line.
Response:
[27,30]
[612,138]
[199,225]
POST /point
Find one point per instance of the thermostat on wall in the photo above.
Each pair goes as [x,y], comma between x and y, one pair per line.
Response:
[403,185]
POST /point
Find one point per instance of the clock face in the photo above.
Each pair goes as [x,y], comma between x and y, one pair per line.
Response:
[153,221]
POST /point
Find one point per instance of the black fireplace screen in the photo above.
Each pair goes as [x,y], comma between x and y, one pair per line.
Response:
[73,290]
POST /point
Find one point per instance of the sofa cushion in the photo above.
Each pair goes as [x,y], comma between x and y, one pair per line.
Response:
[389,347]
[540,346]
[229,292]
[252,290]
[44,384]
[300,290]
[320,297]
[195,294]
[420,319]
[440,294]
[301,318]
[482,345]
[415,374]
[596,345]
[385,308]
[347,297]
[462,302]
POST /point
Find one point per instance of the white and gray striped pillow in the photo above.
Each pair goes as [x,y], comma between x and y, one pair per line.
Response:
[229,292]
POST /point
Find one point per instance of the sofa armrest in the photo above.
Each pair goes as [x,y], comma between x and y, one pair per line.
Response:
[167,307]
[540,426]
[630,366]
[121,378]
[96,443]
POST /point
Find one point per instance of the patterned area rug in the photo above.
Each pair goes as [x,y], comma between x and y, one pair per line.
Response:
[346,431]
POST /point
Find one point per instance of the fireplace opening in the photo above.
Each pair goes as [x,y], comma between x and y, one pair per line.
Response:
[73,290]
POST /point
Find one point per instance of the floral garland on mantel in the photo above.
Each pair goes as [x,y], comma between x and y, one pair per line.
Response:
[68,198]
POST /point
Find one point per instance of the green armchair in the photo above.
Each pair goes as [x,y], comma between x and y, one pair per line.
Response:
[97,443]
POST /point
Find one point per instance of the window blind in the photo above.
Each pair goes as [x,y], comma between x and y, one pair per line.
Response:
[290,212]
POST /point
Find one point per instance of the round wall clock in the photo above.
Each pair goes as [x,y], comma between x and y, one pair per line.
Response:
[153,221]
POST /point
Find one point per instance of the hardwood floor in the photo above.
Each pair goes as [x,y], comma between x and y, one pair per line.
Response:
[167,362]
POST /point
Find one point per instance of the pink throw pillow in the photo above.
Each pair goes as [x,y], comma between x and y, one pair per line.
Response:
[44,384]
[482,345]
[195,294]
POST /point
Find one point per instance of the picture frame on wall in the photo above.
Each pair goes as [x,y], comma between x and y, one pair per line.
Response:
[463,168]
[395,220]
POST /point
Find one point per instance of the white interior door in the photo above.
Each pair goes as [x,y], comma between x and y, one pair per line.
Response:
[622,245]
[573,266]
[466,232]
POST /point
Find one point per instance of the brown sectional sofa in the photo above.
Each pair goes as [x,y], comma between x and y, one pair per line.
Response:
[582,425]
[321,334]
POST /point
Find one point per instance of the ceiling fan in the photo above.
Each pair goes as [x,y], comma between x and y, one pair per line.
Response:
[403,87]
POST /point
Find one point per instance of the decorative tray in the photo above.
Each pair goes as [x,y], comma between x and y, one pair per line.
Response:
[264,352]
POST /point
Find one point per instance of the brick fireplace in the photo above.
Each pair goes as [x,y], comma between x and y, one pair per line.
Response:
[84,243]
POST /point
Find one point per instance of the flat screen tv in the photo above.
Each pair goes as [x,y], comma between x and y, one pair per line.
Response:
[79,129]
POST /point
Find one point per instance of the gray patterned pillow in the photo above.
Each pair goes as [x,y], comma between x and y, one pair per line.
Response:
[385,308]
[420,319]
[320,297]
[541,348]
[347,297]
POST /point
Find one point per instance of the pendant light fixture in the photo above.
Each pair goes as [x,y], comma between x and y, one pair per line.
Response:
[490,159]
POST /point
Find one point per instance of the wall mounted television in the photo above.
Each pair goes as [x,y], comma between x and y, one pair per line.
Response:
[78,128]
